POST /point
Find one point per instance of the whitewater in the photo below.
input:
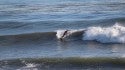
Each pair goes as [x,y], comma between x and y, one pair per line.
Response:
[113,34]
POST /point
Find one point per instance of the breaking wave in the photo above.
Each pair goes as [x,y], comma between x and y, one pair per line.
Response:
[113,34]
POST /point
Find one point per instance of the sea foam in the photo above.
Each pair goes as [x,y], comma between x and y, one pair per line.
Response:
[113,34]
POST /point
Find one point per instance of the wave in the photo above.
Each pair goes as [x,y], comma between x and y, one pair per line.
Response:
[62,63]
[112,34]
[28,37]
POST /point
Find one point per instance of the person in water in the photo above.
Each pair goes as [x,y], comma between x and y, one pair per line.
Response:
[64,35]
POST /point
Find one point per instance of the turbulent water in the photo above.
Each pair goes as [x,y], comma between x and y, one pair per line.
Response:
[30,32]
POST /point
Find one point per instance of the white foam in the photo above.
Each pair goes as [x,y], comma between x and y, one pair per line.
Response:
[114,34]
[29,66]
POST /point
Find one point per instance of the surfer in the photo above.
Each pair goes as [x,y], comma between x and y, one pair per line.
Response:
[64,35]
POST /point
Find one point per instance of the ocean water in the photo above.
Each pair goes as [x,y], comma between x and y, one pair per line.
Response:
[30,32]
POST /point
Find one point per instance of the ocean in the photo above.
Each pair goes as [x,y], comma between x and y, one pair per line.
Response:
[33,34]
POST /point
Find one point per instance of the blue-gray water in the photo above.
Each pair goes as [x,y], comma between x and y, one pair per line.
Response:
[28,30]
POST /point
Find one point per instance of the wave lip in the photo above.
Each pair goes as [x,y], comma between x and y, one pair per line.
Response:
[114,34]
